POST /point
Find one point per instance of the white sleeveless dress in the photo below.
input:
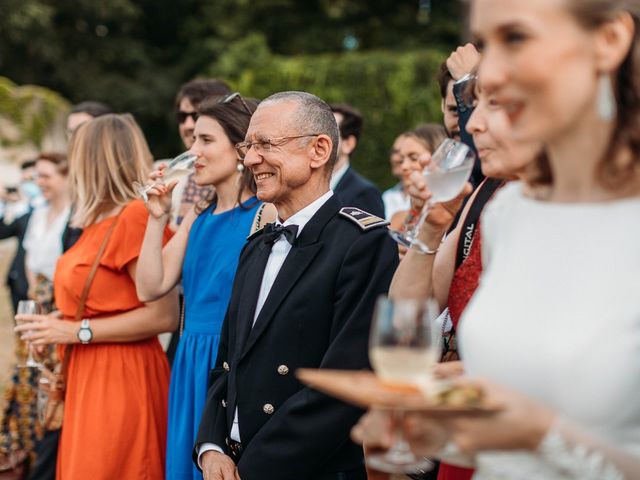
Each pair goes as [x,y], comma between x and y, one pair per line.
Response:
[557,317]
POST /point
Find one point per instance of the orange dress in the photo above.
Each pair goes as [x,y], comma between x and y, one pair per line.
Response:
[115,416]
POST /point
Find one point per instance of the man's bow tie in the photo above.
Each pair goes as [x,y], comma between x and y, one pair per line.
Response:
[272,232]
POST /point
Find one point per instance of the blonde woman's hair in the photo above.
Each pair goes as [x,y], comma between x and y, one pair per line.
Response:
[106,156]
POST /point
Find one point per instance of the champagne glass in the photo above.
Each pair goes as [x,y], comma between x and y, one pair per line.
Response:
[404,345]
[176,168]
[446,175]
[28,307]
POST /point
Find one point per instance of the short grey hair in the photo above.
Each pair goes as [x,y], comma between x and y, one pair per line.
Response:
[313,115]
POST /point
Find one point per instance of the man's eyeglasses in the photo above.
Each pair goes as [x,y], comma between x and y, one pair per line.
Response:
[182,116]
[265,145]
[232,96]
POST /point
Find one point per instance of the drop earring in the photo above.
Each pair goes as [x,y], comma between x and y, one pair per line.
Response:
[606,100]
[240,167]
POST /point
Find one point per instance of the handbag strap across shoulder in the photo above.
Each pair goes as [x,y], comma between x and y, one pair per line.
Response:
[85,290]
[486,190]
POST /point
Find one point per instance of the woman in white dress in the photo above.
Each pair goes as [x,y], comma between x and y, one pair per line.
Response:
[553,332]
[43,238]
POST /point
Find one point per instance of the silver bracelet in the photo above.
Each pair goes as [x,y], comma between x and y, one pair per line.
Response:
[428,252]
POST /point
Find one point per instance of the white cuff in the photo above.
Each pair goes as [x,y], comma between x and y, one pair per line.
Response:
[206,447]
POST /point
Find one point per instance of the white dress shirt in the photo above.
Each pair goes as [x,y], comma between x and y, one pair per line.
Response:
[337,175]
[43,241]
[395,200]
[557,317]
[279,252]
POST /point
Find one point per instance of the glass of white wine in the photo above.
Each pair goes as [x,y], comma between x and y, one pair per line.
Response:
[28,307]
[175,169]
[404,345]
[448,171]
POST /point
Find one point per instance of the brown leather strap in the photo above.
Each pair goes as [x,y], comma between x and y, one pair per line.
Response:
[85,292]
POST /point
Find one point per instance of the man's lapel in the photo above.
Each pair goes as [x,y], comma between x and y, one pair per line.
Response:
[251,291]
[296,263]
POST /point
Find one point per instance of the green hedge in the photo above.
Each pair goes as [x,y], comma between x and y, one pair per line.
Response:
[394,90]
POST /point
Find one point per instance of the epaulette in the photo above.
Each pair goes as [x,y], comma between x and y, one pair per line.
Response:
[365,220]
[255,234]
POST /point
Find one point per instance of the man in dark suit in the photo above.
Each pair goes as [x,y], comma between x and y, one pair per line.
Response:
[16,276]
[351,187]
[15,211]
[303,297]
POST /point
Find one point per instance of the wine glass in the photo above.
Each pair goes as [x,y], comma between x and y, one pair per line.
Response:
[28,307]
[446,175]
[404,345]
[176,168]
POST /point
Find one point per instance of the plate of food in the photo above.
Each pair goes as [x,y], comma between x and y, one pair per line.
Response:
[364,389]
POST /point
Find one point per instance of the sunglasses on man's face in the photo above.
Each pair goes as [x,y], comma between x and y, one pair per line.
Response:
[181,116]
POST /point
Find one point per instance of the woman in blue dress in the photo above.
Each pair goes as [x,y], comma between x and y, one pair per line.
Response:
[204,252]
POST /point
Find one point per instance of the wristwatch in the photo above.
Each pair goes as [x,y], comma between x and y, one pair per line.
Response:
[85,334]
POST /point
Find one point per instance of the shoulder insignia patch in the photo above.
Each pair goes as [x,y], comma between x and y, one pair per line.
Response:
[365,220]
[255,234]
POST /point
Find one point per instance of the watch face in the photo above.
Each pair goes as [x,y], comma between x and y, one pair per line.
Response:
[84,335]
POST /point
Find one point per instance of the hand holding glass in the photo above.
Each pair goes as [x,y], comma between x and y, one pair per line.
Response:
[176,168]
[28,307]
[404,345]
[445,176]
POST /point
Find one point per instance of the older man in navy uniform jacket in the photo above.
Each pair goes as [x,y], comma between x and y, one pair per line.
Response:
[303,297]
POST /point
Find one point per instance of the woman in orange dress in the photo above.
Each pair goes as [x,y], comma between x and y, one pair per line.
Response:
[117,383]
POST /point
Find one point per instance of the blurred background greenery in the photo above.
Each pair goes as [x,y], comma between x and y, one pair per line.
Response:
[378,55]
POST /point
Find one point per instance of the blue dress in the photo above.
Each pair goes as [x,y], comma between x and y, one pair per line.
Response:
[210,263]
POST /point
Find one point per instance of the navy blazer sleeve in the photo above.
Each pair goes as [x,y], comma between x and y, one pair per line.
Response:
[464,114]
[294,443]
[13,229]
[213,428]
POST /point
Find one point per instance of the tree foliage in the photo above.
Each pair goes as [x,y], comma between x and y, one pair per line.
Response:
[133,54]
[395,92]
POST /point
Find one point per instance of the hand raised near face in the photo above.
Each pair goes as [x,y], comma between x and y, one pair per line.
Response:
[159,196]
[463,60]
[441,215]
